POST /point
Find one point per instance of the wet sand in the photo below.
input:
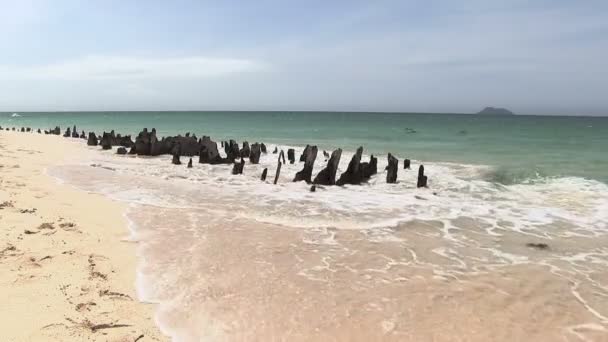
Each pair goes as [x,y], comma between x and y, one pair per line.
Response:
[67,271]
[232,259]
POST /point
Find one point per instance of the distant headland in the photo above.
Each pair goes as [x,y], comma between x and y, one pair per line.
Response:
[495,111]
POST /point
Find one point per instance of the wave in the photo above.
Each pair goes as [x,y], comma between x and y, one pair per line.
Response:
[506,175]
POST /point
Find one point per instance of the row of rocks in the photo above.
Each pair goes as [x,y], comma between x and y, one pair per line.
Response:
[147,144]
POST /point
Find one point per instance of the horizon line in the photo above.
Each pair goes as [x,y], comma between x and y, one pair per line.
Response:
[296,111]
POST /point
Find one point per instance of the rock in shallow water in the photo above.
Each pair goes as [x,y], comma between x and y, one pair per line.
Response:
[327,176]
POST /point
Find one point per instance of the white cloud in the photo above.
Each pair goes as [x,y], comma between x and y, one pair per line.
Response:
[128,68]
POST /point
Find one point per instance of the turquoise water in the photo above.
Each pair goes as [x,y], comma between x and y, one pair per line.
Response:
[518,147]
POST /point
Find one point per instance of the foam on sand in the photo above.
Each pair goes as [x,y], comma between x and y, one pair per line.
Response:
[231,257]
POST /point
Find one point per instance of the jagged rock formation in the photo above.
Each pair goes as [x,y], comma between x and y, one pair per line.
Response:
[264,173]
[353,174]
[309,161]
[422,179]
[237,169]
[245,151]
[254,155]
[92,141]
[291,155]
[106,141]
[327,176]
[391,169]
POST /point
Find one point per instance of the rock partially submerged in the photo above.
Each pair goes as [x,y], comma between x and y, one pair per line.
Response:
[309,161]
[540,246]
[278,172]
[92,141]
[327,176]
[254,155]
[422,179]
[106,141]
[245,151]
[232,151]
[264,174]
[407,164]
[391,169]
[353,174]
[209,153]
[237,168]
[291,155]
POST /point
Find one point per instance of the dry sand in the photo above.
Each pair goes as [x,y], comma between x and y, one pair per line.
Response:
[67,271]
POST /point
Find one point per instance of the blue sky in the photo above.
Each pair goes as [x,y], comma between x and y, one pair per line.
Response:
[535,57]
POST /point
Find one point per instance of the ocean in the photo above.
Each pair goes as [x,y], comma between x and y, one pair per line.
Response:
[229,257]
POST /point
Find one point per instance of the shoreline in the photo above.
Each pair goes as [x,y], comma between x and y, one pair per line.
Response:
[68,260]
[478,256]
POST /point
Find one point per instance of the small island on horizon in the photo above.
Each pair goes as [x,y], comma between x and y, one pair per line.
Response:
[495,111]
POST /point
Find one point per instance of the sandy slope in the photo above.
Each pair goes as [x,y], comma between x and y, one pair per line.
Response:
[66,271]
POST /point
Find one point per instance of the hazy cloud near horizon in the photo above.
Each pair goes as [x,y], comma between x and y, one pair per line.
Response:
[536,57]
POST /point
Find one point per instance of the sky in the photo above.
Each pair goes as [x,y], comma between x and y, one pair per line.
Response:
[532,57]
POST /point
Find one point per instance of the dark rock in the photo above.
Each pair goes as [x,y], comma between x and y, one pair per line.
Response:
[313,188]
[422,179]
[245,151]
[370,168]
[39,132]
[209,153]
[282,155]
[23,129]
[83,135]
[121,150]
[75,132]
[276,150]
[263,148]
[276,176]
[118,140]
[304,153]
[156,147]
[232,150]
[406,164]
[541,246]
[222,144]
[327,176]
[92,141]
[237,169]
[190,163]
[291,155]
[353,174]
[28,129]
[309,161]
[106,141]
[325,154]
[175,160]
[254,155]
[142,143]
[393,166]
[190,146]
[68,133]
[264,173]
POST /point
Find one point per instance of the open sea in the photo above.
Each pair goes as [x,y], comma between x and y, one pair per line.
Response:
[232,258]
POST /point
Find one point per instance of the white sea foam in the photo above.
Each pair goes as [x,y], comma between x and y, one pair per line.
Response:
[469,224]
